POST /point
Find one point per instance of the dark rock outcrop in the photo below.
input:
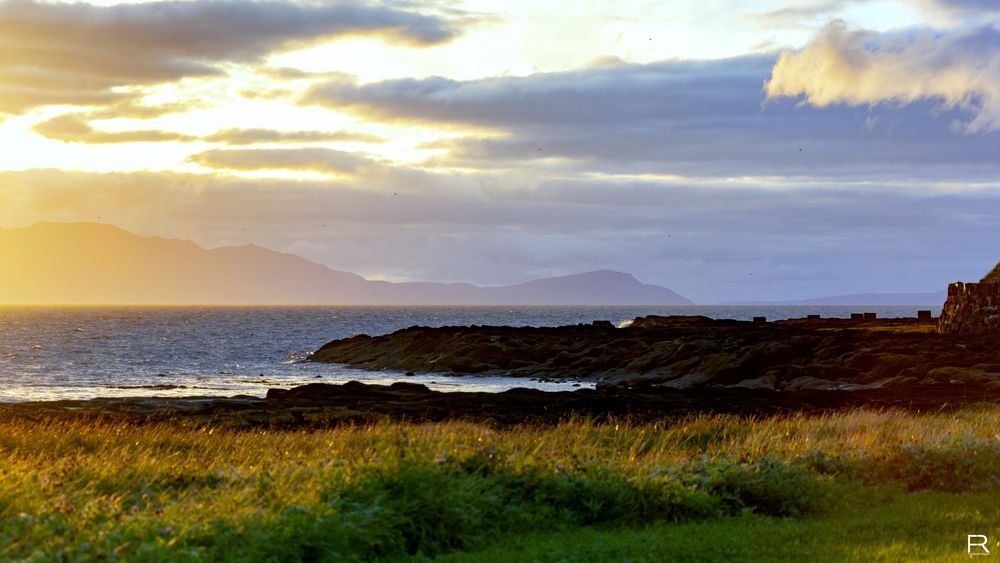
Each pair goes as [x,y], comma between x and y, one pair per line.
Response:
[993,276]
[418,403]
[324,405]
[692,352]
[973,308]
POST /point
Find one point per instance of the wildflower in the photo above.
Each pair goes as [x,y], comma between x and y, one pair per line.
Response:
[134,509]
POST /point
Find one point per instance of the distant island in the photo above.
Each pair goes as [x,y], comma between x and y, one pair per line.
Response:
[90,263]
[871,299]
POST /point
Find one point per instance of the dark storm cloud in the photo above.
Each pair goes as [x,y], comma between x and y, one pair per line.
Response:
[688,118]
[75,53]
[591,96]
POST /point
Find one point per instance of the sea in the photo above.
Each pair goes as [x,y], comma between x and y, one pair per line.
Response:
[55,353]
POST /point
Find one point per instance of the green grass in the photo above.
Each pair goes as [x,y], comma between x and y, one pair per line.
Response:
[925,526]
[859,485]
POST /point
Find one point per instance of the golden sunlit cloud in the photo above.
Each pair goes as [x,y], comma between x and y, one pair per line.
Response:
[131,109]
[73,128]
[255,136]
[862,68]
[61,53]
[20,92]
[306,159]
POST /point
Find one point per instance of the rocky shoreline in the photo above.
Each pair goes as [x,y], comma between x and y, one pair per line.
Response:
[657,368]
[692,352]
[324,405]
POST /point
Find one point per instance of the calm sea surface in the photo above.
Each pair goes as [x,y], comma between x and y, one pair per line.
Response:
[84,352]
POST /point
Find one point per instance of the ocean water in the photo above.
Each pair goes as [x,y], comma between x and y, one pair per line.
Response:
[49,353]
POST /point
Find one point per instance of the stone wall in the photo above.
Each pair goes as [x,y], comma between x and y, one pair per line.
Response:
[971,308]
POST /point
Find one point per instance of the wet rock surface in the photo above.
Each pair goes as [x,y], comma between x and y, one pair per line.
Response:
[693,352]
[416,402]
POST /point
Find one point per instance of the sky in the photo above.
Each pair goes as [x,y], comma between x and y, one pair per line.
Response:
[731,151]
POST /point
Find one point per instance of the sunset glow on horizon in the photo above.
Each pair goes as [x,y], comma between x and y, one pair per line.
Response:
[726,150]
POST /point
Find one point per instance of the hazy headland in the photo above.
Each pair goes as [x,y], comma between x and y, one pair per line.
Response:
[87,263]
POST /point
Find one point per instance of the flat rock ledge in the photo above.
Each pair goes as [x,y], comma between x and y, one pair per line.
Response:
[322,405]
[693,352]
[416,402]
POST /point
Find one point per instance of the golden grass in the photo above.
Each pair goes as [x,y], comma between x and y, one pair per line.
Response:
[86,488]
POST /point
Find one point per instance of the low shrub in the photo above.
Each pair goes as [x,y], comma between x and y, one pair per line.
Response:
[767,486]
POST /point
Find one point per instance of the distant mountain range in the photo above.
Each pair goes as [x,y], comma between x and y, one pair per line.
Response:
[929,298]
[89,263]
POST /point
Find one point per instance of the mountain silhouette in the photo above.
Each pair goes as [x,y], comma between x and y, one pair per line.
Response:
[91,263]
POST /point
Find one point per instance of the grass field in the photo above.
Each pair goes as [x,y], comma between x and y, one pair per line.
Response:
[863,485]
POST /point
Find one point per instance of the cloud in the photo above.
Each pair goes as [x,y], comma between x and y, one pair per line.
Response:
[689,118]
[806,13]
[959,69]
[958,7]
[77,53]
[794,15]
[74,128]
[306,159]
[970,5]
[254,136]
[18,95]
[133,109]
[595,94]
